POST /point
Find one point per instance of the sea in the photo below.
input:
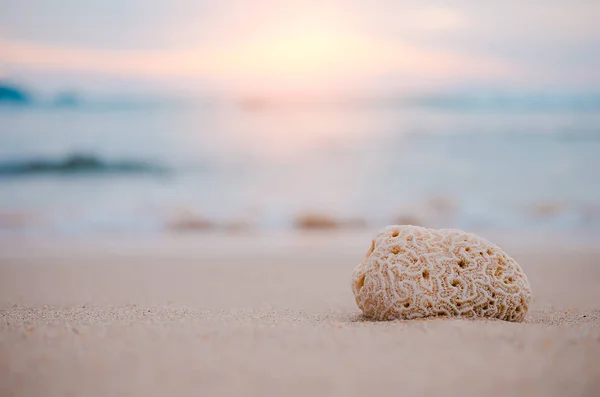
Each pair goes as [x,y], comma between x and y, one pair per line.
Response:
[530,163]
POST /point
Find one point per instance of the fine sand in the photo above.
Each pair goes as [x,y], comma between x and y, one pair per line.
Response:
[217,315]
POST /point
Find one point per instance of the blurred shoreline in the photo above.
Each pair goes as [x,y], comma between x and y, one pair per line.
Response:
[481,162]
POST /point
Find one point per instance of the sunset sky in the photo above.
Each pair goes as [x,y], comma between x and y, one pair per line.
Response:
[272,46]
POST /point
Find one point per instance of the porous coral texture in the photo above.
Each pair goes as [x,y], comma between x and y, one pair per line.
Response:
[413,272]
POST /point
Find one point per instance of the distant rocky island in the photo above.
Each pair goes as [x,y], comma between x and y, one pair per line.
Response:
[12,94]
[66,99]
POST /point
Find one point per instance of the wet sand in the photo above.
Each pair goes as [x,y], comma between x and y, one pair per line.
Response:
[242,315]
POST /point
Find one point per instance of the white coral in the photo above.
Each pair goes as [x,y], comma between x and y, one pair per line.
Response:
[412,272]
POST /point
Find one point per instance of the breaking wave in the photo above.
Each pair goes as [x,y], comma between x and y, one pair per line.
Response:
[77,163]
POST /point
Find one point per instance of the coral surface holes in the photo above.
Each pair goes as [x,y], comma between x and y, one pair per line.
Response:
[396,250]
[371,249]
[425,274]
[461,264]
[455,283]
[407,304]
[360,283]
[395,233]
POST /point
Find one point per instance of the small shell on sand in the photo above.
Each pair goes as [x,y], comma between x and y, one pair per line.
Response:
[547,209]
[443,205]
[319,221]
[412,272]
[188,221]
[409,219]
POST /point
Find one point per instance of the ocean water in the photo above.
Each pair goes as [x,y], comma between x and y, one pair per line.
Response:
[132,170]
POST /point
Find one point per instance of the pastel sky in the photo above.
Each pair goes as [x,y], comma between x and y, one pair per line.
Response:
[280,45]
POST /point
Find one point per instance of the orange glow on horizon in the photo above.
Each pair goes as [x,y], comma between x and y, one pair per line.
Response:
[273,53]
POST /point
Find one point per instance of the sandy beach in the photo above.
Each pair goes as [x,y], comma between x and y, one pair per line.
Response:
[218,315]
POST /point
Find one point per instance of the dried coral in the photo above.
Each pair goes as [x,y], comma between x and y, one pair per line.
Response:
[413,272]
